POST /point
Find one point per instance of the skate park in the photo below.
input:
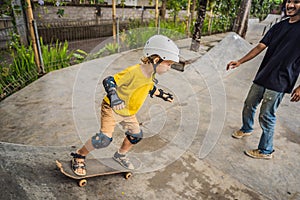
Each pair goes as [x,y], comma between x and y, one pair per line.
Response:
[187,152]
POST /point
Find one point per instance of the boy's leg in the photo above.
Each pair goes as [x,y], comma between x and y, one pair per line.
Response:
[107,128]
[100,140]
[133,136]
[120,155]
[126,146]
[267,119]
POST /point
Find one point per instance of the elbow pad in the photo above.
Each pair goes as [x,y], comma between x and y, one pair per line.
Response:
[109,84]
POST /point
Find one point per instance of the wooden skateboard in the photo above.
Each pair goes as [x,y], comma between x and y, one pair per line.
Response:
[96,167]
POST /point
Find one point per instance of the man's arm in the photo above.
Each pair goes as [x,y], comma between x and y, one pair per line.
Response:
[250,55]
[295,96]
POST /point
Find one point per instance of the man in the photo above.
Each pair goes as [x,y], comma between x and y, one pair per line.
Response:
[276,76]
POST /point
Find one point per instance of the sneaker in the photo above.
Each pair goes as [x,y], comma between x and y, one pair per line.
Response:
[239,134]
[256,153]
[123,160]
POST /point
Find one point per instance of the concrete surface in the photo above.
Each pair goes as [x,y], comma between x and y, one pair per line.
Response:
[257,29]
[188,151]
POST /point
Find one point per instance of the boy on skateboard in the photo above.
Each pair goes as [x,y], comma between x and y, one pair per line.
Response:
[126,93]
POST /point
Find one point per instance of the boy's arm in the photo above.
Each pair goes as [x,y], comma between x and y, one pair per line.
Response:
[110,85]
[161,94]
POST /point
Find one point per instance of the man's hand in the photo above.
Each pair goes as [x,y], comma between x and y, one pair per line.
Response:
[232,65]
[295,96]
[251,54]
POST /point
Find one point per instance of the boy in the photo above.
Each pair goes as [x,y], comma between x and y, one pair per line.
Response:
[126,93]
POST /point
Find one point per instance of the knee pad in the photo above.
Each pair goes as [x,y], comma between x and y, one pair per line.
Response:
[134,138]
[100,140]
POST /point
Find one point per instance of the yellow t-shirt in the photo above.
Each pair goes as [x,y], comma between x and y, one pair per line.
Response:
[132,87]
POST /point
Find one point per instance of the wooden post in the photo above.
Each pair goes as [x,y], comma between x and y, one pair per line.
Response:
[193,11]
[114,18]
[188,15]
[156,13]
[32,35]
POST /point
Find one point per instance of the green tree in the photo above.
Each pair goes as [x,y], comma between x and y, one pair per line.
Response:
[5,8]
[175,6]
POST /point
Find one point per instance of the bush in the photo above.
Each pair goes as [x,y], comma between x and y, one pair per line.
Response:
[23,69]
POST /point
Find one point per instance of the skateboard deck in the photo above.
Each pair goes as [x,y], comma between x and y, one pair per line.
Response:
[96,167]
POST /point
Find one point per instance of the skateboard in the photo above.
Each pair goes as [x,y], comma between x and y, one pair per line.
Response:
[96,167]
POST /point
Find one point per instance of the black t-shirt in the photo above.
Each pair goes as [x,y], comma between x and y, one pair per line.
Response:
[280,67]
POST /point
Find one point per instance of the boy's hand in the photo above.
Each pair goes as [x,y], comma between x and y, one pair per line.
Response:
[110,86]
[115,101]
[295,96]
[165,96]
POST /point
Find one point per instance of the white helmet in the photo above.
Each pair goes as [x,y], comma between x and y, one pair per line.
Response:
[162,46]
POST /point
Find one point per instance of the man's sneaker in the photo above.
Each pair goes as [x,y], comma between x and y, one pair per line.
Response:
[123,160]
[239,134]
[256,153]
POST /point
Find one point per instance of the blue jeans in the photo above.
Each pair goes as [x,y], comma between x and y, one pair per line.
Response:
[267,119]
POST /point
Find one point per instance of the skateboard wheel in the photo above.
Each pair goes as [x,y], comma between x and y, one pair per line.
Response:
[82,182]
[128,175]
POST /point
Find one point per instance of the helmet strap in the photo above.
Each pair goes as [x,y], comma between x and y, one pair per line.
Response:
[154,79]
[154,69]
[156,64]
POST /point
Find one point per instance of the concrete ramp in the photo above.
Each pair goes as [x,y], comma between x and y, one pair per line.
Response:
[43,112]
[208,77]
[29,172]
[221,100]
[257,29]
[271,19]
[187,151]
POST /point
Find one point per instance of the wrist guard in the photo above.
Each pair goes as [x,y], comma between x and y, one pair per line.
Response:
[165,96]
[110,85]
